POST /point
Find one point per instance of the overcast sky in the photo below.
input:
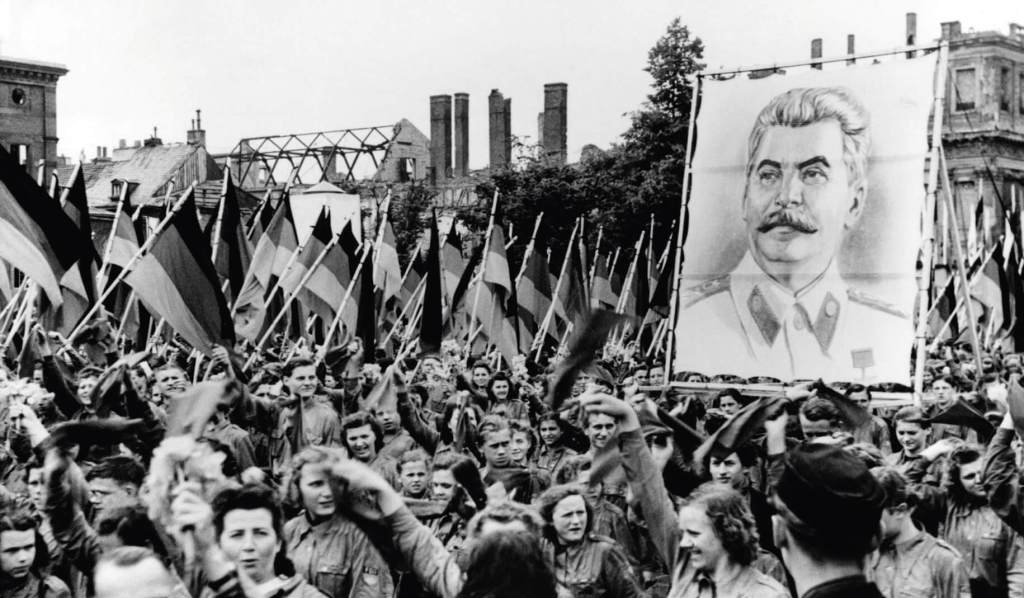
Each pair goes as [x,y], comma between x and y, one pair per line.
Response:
[260,67]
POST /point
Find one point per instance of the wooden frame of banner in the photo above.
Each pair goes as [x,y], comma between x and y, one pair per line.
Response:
[928,217]
[879,400]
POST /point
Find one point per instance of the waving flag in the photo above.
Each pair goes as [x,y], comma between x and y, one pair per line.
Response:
[276,245]
[234,252]
[177,280]
[38,237]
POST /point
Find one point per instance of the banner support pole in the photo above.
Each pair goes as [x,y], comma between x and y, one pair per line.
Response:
[928,223]
[680,237]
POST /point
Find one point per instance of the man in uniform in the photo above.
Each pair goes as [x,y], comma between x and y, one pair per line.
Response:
[785,310]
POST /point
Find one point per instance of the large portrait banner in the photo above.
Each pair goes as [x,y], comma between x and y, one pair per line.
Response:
[805,224]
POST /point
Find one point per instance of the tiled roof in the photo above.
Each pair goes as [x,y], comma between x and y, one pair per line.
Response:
[149,167]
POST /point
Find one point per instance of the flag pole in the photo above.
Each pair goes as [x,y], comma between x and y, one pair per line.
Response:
[382,220]
[220,213]
[336,322]
[141,253]
[291,297]
[627,283]
[109,247]
[23,315]
[928,218]
[546,323]
[960,263]
[414,303]
[483,264]
[529,250]
[256,215]
[597,256]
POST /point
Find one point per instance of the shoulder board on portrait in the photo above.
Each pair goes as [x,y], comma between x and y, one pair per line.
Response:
[862,298]
[714,286]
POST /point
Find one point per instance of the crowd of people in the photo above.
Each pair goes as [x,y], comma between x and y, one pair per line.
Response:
[154,474]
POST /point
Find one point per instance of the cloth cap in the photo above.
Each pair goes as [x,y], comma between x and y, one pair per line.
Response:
[831,490]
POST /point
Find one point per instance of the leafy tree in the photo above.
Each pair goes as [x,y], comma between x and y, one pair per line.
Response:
[620,189]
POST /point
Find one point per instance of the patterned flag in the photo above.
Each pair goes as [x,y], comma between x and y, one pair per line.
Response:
[533,292]
[274,247]
[38,237]
[234,251]
[177,280]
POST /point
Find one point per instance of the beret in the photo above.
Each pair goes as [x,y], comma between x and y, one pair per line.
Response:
[830,490]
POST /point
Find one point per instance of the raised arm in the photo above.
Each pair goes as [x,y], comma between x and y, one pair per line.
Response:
[433,565]
[642,474]
[1001,479]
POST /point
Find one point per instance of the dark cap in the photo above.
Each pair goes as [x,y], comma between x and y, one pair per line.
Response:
[831,491]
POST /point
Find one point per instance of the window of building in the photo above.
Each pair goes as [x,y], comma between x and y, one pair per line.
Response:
[406,169]
[965,89]
[1020,92]
[18,96]
[1005,88]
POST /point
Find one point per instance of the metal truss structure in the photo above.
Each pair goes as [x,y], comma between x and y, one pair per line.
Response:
[345,155]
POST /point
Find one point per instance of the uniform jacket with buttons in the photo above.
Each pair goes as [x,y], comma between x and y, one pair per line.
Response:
[827,330]
[337,558]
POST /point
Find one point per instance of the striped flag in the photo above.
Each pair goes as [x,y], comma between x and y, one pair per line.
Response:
[453,264]
[573,300]
[387,275]
[308,253]
[234,251]
[274,247]
[497,310]
[533,293]
[78,285]
[327,284]
[38,237]
[177,280]
[601,294]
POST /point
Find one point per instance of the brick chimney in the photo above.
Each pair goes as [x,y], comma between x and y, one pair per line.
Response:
[816,52]
[499,112]
[441,136]
[196,135]
[461,134]
[950,30]
[850,49]
[555,123]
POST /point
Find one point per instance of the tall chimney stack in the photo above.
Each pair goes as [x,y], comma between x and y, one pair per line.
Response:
[911,31]
[555,123]
[850,49]
[950,30]
[816,52]
[499,130]
[461,134]
[441,136]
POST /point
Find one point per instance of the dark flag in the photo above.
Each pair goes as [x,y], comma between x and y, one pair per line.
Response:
[431,322]
[366,324]
[533,292]
[177,280]
[234,252]
[38,237]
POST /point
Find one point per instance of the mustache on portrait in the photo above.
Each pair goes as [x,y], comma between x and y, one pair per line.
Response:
[791,218]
